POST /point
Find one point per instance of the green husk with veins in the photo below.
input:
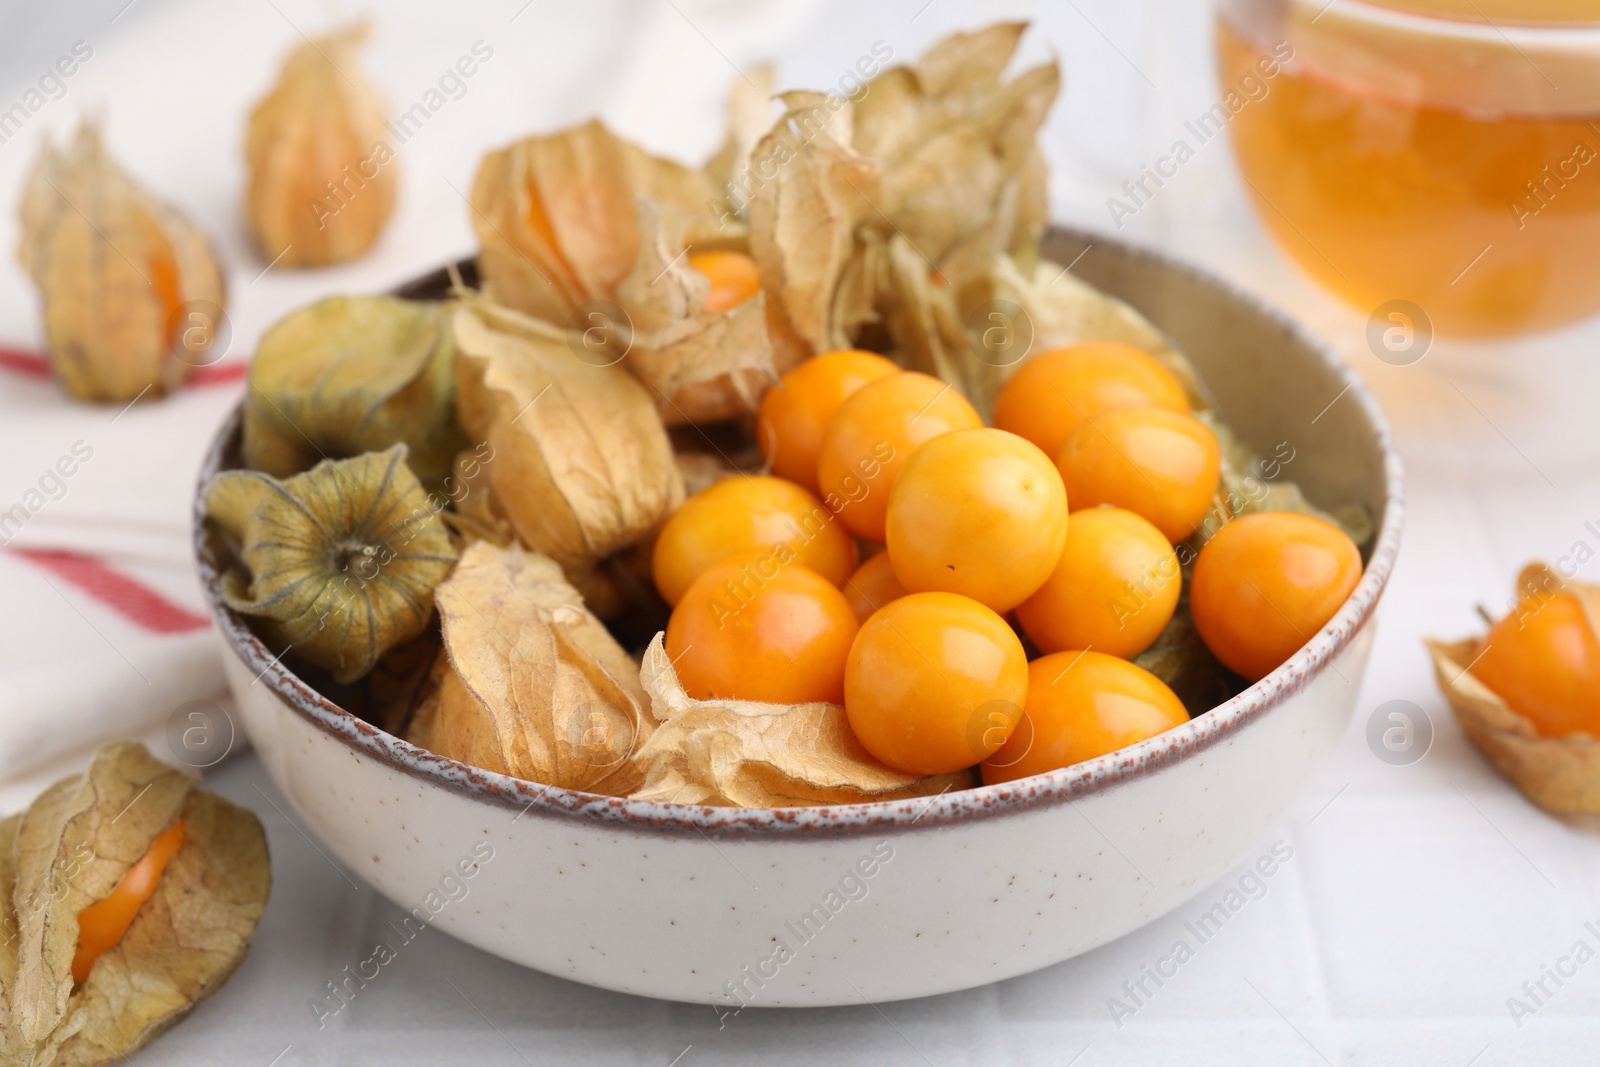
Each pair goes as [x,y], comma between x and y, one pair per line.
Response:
[339,563]
[350,375]
[1247,487]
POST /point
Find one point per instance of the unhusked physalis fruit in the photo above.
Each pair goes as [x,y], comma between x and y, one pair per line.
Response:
[1525,692]
[750,515]
[749,754]
[132,294]
[755,628]
[935,682]
[536,686]
[1161,464]
[1051,394]
[979,512]
[322,175]
[873,585]
[794,412]
[1114,589]
[1543,659]
[871,436]
[337,564]
[1082,705]
[1266,584]
[354,374]
[126,896]
[733,276]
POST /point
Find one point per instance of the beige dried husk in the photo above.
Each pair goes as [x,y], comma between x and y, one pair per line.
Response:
[556,216]
[741,753]
[1560,774]
[582,467]
[401,683]
[132,295]
[750,116]
[337,564]
[537,687]
[349,375]
[580,216]
[71,848]
[804,220]
[959,144]
[322,174]
[702,365]
[478,514]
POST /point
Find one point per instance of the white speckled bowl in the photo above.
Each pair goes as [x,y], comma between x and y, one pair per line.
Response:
[870,902]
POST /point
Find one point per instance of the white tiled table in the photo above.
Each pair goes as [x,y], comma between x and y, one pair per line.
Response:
[1418,898]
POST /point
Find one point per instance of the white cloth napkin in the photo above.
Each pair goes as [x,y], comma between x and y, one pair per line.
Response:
[103,634]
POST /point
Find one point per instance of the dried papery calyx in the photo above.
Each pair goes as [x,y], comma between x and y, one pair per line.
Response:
[804,221]
[580,228]
[68,853]
[337,564]
[322,174]
[537,688]
[701,363]
[556,216]
[750,115]
[132,294]
[582,466]
[350,375]
[959,143]
[1555,766]
[742,753]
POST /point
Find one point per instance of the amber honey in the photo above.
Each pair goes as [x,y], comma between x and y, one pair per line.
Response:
[1436,151]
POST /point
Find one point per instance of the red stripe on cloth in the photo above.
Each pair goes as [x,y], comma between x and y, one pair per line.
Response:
[221,373]
[31,364]
[128,597]
[34,365]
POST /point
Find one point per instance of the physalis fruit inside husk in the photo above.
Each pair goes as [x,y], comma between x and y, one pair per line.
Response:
[586,231]
[1528,692]
[337,564]
[349,375]
[131,291]
[96,956]
[581,464]
[322,175]
[536,687]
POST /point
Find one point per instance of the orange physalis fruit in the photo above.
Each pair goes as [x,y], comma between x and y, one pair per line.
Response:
[734,278]
[102,924]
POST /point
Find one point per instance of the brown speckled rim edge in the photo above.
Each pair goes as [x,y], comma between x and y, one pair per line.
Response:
[844,820]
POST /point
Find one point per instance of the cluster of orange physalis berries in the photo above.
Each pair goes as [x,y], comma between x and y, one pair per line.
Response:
[967,539]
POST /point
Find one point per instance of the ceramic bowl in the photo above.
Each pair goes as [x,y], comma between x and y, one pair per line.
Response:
[883,901]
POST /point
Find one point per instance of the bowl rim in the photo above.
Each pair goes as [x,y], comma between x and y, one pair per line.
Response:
[1023,795]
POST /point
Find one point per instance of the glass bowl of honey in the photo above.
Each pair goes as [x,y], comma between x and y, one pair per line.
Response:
[1444,153]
